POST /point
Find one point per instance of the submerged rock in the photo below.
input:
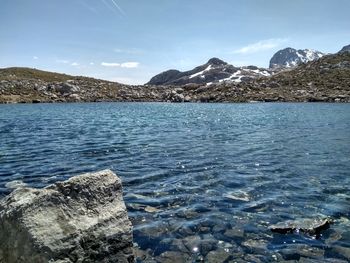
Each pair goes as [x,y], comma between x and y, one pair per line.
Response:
[239,195]
[297,251]
[173,257]
[218,256]
[83,219]
[308,226]
[343,251]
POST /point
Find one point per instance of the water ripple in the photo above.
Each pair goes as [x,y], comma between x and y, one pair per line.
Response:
[208,175]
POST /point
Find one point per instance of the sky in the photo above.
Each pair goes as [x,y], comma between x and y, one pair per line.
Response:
[130,41]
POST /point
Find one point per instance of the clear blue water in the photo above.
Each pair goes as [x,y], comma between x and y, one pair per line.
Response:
[193,171]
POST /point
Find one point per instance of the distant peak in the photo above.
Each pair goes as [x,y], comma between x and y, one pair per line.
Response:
[290,57]
[216,61]
[288,49]
[345,49]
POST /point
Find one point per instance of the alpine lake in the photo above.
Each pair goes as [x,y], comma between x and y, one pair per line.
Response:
[202,182]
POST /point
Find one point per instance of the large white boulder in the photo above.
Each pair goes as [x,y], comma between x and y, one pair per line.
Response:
[83,219]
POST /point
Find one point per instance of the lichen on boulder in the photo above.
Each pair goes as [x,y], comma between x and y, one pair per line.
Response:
[83,219]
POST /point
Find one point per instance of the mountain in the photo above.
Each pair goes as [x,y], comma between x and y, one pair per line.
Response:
[323,80]
[217,71]
[290,57]
[214,71]
[326,79]
[345,49]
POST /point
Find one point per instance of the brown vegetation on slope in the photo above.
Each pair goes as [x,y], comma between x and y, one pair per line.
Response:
[326,80]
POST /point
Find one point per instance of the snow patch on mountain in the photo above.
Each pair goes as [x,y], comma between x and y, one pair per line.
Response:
[201,72]
[235,77]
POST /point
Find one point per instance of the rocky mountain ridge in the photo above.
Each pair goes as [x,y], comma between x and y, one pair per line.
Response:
[214,71]
[217,71]
[345,49]
[290,57]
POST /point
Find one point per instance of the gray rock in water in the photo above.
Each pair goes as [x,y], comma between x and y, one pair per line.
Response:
[308,226]
[83,219]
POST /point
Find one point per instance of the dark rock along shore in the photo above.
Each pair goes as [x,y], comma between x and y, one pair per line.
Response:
[324,80]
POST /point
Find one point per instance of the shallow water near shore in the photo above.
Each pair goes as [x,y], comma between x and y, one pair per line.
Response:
[201,181]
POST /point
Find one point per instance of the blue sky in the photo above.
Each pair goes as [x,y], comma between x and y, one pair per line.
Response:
[132,40]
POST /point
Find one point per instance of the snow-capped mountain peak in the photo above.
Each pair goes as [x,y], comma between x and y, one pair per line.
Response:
[290,57]
[214,71]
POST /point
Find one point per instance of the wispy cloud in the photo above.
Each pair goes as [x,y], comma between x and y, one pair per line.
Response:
[67,62]
[108,64]
[121,65]
[113,6]
[118,7]
[107,5]
[62,61]
[35,58]
[130,65]
[92,63]
[92,9]
[128,50]
[261,46]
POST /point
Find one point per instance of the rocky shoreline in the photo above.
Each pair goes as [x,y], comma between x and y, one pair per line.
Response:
[323,80]
[84,219]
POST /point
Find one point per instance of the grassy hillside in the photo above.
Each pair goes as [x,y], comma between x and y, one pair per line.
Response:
[329,72]
[16,73]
